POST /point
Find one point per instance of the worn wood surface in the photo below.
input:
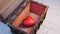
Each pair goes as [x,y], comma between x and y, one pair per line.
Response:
[8,6]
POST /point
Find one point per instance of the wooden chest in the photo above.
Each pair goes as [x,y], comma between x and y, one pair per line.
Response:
[13,12]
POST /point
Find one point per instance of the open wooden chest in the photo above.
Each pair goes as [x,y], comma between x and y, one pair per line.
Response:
[15,12]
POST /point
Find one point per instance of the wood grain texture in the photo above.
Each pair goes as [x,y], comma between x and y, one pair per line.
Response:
[8,6]
[5,4]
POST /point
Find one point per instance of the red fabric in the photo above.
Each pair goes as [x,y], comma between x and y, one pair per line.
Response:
[36,8]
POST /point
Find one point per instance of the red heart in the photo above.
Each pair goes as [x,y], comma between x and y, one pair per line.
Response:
[29,21]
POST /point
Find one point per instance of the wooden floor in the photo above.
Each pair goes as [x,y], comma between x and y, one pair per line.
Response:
[51,24]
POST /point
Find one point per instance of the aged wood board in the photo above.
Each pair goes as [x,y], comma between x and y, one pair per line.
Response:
[8,6]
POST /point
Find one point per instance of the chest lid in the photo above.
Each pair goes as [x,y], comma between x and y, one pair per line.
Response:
[8,6]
